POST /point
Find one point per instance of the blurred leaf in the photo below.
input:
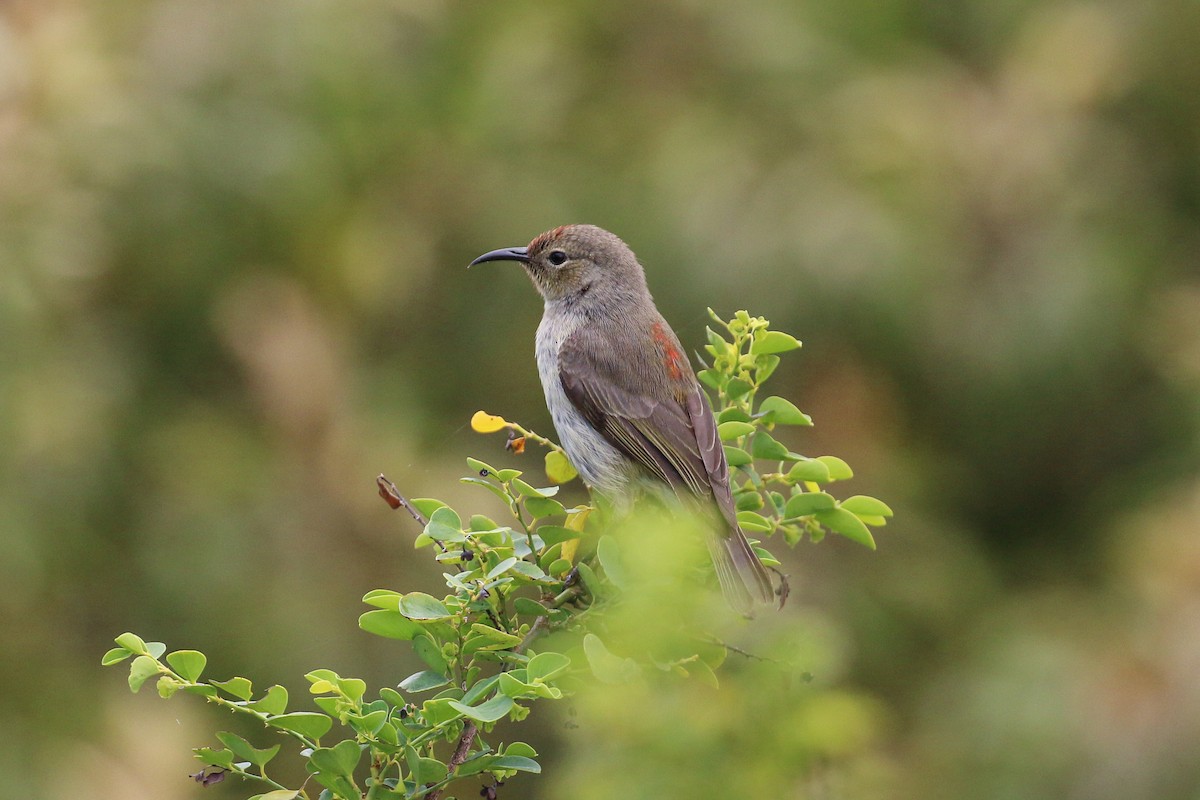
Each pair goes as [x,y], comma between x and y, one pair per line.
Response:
[607,667]
[559,468]
[610,558]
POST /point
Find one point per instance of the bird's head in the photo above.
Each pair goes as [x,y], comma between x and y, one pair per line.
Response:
[577,261]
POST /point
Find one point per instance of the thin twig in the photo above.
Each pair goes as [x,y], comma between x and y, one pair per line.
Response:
[463,748]
[392,496]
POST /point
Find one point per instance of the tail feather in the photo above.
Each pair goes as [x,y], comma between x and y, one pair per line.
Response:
[744,580]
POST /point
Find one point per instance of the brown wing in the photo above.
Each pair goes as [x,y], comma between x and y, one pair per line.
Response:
[651,426]
[667,427]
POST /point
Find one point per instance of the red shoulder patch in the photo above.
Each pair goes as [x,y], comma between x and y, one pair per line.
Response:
[672,358]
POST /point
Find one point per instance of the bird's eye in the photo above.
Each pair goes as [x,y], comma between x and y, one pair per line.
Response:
[557,258]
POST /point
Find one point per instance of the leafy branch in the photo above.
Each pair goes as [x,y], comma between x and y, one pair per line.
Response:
[547,569]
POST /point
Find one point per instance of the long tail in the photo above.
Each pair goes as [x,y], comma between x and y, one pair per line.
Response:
[744,580]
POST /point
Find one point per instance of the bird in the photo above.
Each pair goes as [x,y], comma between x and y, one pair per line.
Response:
[627,408]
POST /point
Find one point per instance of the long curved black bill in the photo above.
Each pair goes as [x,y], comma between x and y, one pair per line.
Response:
[504,254]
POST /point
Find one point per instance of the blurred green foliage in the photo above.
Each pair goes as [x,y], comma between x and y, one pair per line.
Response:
[230,294]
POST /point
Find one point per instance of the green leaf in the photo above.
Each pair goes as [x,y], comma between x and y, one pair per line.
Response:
[445,526]
[610,558]
[809,469]
[530,607]
[133,643]
[430,770]
[541,507]
[520,749]
[737,387]
[486,484]
[214,758]
[497,636]
[490,711]
[141,670]
[545,666]
[766,342]
[805,503]
[440,710]
[341,759]
[767,448]
[519,763]
[188,663]
[240,688]
[525,490]
[861,505]
[838,470]
[389,624]
[308,724]
[839,520]
[426,505]
[748,501]
[782,412]
[480,468]
[273,702]
[728,431]
[553,534]
[501,568]
[733,414]
[115,656]
[423,681]
[531,571]
[737,457]
[607,667]
[559,468]
[418,605]
[764,367]
[277,794]
[382,598]
[429,652]
[244,751]
[710,378]
[750,521]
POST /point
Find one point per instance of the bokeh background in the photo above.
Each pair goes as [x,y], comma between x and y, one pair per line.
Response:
[232,240]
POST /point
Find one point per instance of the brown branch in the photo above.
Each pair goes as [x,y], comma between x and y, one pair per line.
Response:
[392,496]
[463,748]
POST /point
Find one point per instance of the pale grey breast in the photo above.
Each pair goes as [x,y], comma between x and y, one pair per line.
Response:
[601,465]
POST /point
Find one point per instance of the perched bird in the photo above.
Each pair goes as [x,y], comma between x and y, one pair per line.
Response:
[625,403]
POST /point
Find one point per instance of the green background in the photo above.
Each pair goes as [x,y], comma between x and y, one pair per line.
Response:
[232,291]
